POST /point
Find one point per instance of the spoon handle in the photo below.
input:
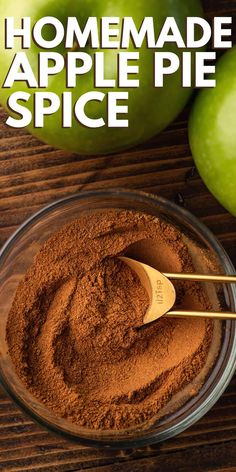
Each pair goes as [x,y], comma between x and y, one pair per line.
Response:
[202,314]
[227,279]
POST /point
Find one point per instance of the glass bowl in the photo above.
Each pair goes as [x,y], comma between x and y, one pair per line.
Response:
[17,255]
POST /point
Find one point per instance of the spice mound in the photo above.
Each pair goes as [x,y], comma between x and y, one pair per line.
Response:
[74,333]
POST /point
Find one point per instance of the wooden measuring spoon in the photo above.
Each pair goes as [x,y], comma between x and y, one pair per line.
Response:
[162,292]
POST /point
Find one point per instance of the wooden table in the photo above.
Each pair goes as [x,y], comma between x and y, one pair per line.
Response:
[33,174]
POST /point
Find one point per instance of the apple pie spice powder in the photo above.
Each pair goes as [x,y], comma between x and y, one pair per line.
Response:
[72,329]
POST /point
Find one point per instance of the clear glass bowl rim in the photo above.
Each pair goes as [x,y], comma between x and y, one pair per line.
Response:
[165,205]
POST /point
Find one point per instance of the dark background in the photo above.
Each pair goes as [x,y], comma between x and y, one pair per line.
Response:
[32,175]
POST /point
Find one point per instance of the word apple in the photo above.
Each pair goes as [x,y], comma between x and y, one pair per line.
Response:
[150,109]
[212,133]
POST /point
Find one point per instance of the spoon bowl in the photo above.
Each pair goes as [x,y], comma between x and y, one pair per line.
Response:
[161,291]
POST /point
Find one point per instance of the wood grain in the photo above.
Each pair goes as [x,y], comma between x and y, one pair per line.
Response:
[33,174]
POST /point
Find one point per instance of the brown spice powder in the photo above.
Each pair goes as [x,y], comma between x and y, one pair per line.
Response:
[72,330]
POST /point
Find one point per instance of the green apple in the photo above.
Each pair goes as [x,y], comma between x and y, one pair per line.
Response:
[212,133]
[150,109]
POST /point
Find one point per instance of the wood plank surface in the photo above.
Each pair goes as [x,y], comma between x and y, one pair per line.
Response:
[33,174]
